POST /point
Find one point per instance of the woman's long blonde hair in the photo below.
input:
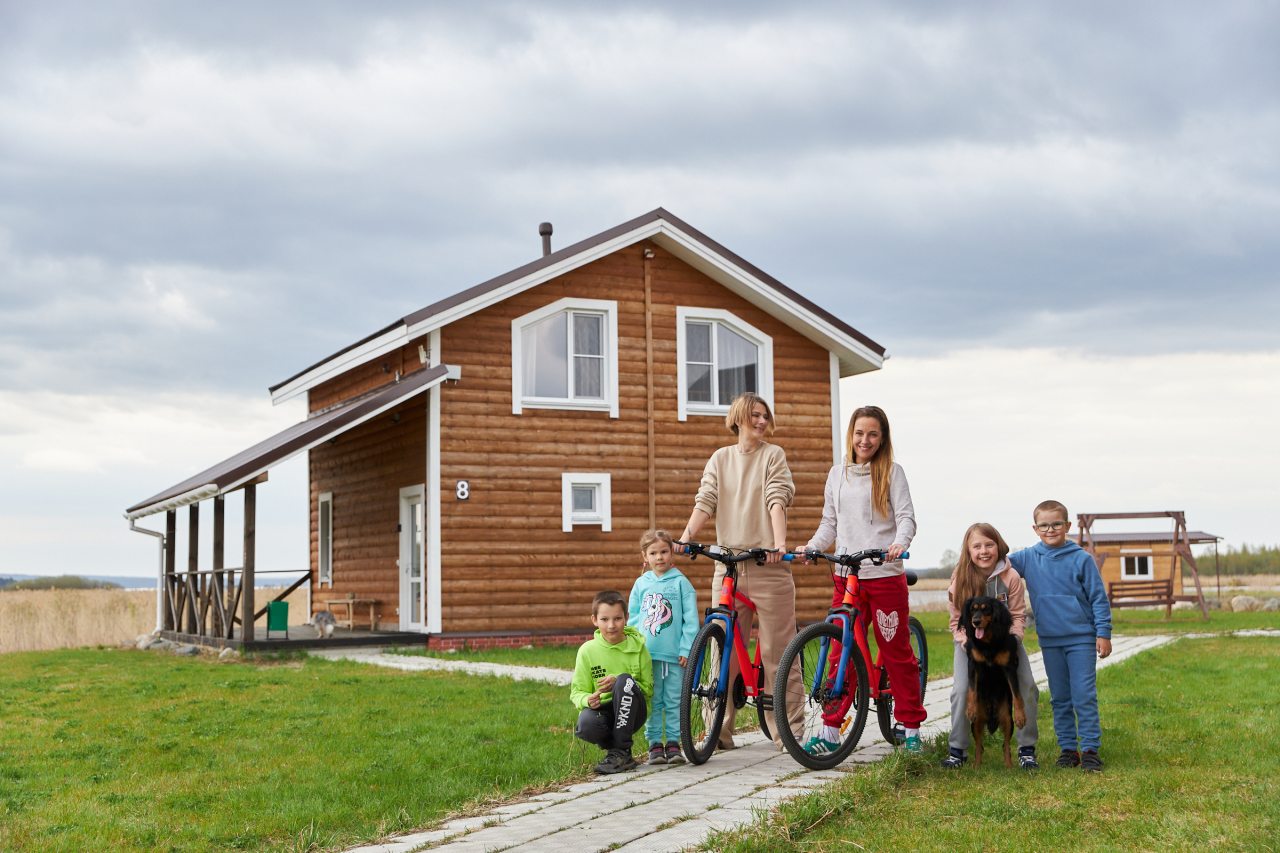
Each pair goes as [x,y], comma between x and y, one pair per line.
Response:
[881,463]
[969,579]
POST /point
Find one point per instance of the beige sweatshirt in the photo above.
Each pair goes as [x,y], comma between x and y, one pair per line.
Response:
[1016,602]
[740,488]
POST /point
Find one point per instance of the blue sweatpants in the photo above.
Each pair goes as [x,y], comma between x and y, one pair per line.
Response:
[663,725]
[1073,690]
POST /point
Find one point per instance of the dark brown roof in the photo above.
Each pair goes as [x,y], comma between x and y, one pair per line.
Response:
[1196,536]
[252,461]
[582,246]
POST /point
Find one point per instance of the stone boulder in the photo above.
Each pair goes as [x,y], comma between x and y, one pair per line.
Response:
[1245,604]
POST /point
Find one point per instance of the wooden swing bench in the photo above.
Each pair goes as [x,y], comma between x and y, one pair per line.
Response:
[1145,593]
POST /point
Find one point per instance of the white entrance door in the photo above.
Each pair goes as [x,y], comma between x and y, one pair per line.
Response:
[412,554]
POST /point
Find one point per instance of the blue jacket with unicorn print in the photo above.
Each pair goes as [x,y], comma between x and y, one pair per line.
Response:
[664,609]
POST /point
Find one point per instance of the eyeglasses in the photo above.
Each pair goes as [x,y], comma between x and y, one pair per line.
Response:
[1051,525]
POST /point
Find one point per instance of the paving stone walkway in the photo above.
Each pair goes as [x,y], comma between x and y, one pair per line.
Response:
[635,811]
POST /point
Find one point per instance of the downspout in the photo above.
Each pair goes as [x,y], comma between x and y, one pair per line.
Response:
[133,525]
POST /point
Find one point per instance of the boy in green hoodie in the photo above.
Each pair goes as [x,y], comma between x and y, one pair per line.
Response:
[612,681]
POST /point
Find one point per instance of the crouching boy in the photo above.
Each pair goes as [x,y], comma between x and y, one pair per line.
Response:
[612,683]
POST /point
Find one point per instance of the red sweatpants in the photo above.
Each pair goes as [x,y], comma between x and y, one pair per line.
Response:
[883,603]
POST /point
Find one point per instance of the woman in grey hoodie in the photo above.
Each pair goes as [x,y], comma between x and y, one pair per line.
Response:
[867,504]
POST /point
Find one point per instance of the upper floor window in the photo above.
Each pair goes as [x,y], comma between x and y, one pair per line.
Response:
[565,356]
[719,356]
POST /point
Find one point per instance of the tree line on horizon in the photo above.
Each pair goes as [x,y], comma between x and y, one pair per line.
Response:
[59,582]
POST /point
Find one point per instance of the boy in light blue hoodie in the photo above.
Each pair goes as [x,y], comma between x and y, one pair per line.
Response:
[1073,622]
[664,608]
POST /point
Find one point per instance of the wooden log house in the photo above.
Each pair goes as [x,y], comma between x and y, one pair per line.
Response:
[481,467]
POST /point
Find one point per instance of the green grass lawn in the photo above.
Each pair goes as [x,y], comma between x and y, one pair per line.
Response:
[106,749]
[1189,740]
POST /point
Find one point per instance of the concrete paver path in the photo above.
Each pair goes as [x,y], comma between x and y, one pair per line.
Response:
[634,811]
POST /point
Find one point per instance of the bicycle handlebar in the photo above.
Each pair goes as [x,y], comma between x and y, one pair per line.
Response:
[724,554]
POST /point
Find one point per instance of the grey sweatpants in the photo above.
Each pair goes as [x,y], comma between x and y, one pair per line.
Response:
[960,726]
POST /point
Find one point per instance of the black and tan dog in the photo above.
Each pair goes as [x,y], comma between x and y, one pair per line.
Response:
[993,700]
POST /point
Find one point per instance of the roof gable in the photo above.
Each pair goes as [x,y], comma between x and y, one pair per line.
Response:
[855,352]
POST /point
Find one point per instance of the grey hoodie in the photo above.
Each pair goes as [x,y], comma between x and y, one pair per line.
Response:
[849,520]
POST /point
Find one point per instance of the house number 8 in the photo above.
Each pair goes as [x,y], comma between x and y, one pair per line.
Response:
[462,490]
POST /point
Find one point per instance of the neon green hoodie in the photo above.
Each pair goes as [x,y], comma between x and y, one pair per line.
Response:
[596,659]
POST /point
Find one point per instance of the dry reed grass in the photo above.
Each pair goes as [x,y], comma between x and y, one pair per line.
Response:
[33,620]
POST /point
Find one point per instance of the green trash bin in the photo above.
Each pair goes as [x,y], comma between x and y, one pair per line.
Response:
[278,618]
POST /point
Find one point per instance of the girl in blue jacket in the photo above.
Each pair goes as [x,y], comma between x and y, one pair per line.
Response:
[664,609]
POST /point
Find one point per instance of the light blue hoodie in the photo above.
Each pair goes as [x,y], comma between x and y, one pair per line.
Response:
[664,609]
[1067,594]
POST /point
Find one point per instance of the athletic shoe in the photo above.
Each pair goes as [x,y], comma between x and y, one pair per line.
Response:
[1027,758]
[1068,758]
[820,748]
[1090,761]
[616,762]
[912,744]
[657,754]
[955,759]
[674,755]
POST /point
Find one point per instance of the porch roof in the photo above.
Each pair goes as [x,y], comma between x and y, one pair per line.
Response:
[1195,537]
[235,471]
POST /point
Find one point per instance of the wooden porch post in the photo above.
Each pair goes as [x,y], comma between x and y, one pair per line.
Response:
[170,560]
[216,594]
[192,617]
[246,577]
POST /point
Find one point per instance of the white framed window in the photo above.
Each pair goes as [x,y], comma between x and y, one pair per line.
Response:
[719,356]
[324,530]
[1134,567]
[565,356]
[586,499]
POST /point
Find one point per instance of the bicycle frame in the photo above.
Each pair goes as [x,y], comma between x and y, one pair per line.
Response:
[845,616]
[725,612]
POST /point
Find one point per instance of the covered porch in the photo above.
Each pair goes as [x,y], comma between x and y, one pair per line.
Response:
[217,605]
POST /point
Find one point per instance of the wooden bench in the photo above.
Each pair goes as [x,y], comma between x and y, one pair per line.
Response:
[1145,593]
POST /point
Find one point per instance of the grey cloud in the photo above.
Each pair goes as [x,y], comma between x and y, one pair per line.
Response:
[898,164]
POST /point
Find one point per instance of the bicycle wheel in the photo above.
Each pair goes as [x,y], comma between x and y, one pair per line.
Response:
[884,704]
[764,706]
[806,661]
[703,698]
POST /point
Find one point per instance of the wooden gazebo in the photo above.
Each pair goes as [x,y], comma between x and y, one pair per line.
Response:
[1135,577]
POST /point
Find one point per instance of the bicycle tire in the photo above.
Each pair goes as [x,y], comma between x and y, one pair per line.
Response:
[764,705]
[804,654]
[702,704]
[884,704]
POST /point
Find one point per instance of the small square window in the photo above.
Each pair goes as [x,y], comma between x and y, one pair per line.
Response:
[585,499]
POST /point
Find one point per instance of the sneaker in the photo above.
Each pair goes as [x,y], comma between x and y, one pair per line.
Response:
[1069,758]
[818,747]
[912,744]
[616,762]
[674,756]
[1090,761]
[657,754]
[1027,758]
[955,759]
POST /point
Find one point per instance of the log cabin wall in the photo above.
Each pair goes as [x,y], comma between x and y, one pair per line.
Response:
[534,576]
[365,469]
[1162,561]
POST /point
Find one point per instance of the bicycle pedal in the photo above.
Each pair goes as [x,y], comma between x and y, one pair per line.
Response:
[764,701]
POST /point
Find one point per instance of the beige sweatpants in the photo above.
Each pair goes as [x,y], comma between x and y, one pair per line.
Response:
[773,591]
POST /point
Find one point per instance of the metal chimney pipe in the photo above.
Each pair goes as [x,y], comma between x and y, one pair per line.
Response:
[544,229]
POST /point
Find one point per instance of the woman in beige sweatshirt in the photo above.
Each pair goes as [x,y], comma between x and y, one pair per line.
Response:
[747,487]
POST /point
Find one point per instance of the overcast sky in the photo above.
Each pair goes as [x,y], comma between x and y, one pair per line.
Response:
[1060,219]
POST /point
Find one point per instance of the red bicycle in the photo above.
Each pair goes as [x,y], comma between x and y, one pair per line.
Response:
[832,661]
[705,693]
